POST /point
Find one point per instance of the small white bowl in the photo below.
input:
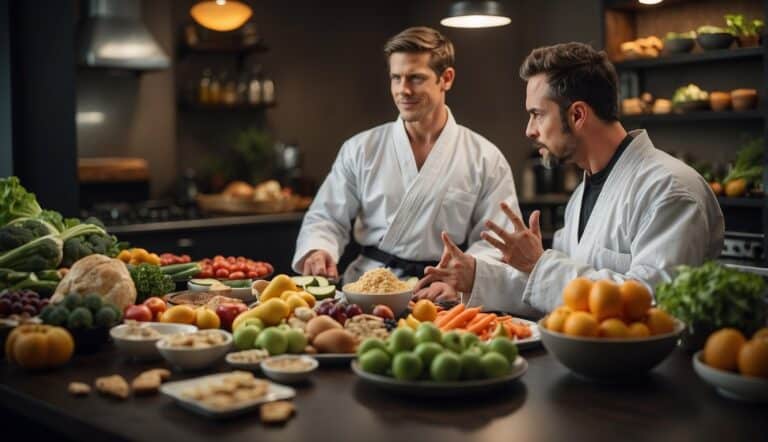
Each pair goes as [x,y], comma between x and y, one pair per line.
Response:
[731,385]
[288,377]
[145,349]
[398,302]
[194,358]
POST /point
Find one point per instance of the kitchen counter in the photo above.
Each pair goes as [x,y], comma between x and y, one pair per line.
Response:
[549,403]
[206,223]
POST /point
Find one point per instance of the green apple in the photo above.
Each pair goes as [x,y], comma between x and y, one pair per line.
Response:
[406,366]
[468,340]
[245,337]
[494,365]
[273,341]
[375,360]
[427,351]
[471,364]
[253,321]
[297,341]
[505,347]
[402,339]
[369,344]
[452,341]
[445,367]
[476,349]
[428,332]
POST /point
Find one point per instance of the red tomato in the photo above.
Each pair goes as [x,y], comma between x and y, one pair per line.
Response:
[185,259]
[222,273]
[218,258]
[206,261]
[231,259]
[205,274]
[138,313]
[270,269]
[240,259]
[157,305]
[253,274]
[237,275]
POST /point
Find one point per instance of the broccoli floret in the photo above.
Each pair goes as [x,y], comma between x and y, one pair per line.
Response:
[53,218]
[106,317]
[92,302]
[80,317]
[75,249]
[73,301]
[39,254]
[14,236]
[58,316]
[150,281]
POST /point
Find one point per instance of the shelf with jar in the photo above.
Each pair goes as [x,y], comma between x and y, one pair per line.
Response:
[243,41]
[252,90]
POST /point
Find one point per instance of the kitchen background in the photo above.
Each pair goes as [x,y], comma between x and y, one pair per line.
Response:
[329,76]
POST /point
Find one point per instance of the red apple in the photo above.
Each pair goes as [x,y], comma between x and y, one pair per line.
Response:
[228,312]
[138,313]
[157,306]
[383,312]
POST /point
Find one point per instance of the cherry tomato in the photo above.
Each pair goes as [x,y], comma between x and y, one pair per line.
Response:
[253,274]
[222,273]
[186,258]
[270,269]
[218,258]
[240,259]
[205,274]
[237,275]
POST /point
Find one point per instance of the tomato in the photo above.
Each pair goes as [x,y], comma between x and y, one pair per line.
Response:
[206,261]
[185,259]
[240,259]
[252,274]
[205,274]
[218,258]
[138,313]
[157,305]
[270,269]
[237,275]
[231,259]
[222,273]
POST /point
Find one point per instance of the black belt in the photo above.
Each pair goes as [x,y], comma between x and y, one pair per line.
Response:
[409,268]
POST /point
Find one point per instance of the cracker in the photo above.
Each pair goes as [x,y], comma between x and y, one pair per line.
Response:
[146,383]
[79,389]
[162,372]
[276,412]
[115,386]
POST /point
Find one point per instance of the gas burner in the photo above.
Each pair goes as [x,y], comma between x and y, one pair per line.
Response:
[117,214]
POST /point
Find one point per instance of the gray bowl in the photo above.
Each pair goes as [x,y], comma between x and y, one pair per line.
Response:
[609,359]
[731,385]
[720,40]
[678,45]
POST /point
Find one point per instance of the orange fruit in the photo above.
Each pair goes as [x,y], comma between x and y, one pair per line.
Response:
[659,322]
[425,310]
[636,299]
[206,318]
[576,294]
[761,334]
[605,300]
[722,349]
[580,324]
[753,358]
[613,328]
[556,320]
[638,330]
[180,314]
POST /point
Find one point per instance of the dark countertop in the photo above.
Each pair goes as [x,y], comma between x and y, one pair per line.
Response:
[206,223]
[671,403]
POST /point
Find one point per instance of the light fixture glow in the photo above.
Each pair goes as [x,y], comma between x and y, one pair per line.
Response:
[89,117]
[221,15]
[650,2]
[476,14]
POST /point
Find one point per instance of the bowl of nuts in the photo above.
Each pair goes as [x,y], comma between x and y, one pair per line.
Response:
[194,351]
[289,369]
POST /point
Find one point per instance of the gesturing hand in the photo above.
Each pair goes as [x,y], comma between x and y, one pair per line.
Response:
[522,248]
[456,268]
[320,263]
[438,291]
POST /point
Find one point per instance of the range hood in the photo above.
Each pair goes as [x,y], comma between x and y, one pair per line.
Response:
[113,36]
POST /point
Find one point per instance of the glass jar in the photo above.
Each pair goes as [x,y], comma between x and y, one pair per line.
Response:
[204,89]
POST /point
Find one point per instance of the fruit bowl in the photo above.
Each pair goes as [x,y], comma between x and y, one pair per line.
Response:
[398,302]
[604,358]
[731,385]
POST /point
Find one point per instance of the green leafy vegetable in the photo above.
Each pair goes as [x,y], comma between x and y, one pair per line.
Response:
[713,296]
[150,281]
[15,201]
[749,162]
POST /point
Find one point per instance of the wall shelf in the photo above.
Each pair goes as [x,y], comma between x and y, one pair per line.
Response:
[755,203]
[694,117]
[185,105]
[755,53]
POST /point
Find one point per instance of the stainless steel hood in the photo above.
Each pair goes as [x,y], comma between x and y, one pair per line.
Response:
[113,36]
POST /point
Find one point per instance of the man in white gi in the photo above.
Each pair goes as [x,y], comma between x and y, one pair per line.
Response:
[407,181]
[638,213]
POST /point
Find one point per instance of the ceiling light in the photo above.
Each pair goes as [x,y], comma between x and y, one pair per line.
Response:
[221,15]
[650,2]
[476,14]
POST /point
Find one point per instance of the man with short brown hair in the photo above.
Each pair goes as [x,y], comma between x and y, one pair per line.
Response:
[638,214]
[407,181]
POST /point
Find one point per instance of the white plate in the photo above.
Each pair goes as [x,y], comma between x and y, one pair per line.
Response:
[275,392]
[534,340]
[731,385]
[441,389]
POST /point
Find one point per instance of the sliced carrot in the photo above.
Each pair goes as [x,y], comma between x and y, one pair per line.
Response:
[482,324]
[452,313]
[461,319]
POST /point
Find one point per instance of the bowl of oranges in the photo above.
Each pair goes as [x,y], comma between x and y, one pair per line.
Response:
[735,366]
[606,330]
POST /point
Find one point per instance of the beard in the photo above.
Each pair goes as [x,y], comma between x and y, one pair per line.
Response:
[550,159]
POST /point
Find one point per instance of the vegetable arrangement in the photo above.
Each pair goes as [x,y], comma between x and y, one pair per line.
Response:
[713,296]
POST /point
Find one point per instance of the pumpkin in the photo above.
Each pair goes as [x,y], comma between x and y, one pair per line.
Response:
[39,346]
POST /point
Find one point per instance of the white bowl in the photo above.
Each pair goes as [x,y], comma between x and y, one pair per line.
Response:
[194,358]
[398,302]
[145,349]
[288,377]
[244,293]
[731,385]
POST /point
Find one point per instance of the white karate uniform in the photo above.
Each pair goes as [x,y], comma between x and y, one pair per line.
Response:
[654,213]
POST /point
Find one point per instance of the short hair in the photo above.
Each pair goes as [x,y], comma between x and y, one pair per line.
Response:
[422,39]
[576,72]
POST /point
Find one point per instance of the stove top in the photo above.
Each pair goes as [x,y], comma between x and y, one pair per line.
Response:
[119,214]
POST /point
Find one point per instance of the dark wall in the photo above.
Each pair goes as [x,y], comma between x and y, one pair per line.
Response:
[6,151]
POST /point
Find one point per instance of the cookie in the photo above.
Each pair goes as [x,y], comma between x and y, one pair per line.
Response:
[162,372]
[79,389]
[276,412]
[115,386]
[146,384]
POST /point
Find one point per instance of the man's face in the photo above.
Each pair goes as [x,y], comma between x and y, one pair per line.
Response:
[554,142]
[416,88]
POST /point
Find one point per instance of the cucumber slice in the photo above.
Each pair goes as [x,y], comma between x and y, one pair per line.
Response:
[328,291]
[322,281]
[238,283]
[203,281]
[304,281]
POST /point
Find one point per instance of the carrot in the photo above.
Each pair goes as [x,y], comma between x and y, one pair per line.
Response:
[522,331]
[452,313]
[477,319]
[482,324]
[461,319]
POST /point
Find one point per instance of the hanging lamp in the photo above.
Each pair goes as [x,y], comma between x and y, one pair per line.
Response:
[476,14]
[221,15]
